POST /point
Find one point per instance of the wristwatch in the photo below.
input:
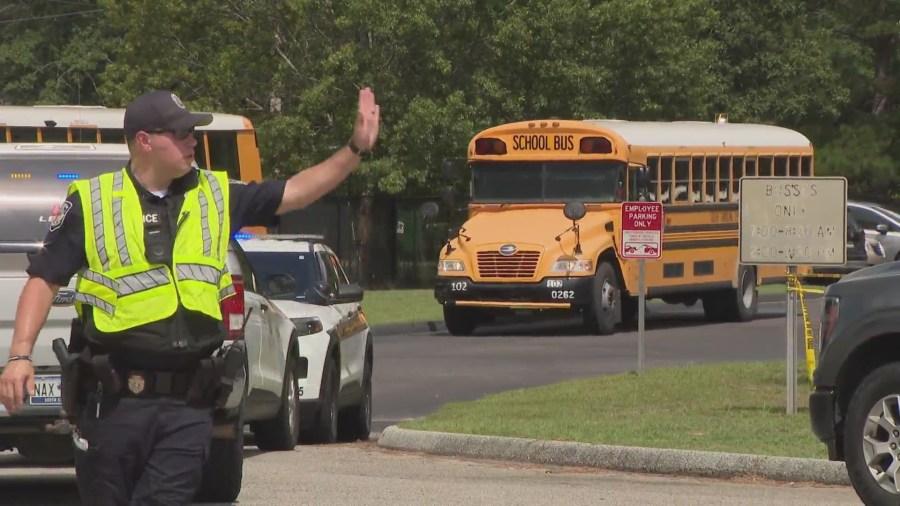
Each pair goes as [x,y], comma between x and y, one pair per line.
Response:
[356,150]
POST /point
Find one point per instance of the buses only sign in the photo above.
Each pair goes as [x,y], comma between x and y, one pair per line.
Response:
[642,224]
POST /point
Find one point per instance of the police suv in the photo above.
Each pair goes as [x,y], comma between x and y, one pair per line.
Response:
[33,183]
[305,279]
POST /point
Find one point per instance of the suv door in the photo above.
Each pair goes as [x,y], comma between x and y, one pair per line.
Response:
[353,329]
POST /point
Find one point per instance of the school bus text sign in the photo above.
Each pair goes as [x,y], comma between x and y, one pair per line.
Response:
[642,224]
[793,221]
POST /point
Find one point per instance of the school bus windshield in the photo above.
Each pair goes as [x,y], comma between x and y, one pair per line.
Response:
[554,181]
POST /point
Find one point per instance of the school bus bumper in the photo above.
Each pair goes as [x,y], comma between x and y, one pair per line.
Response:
[549,293]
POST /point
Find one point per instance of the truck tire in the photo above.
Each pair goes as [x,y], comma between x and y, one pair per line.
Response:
[460,321]
[605,311]
[869,434]
[224,468]
[356,421]
[325,428]
[281,432]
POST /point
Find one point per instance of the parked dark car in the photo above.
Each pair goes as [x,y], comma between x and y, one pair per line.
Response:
[855,405]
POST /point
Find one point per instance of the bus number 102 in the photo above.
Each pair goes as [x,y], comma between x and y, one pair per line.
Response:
[459,286]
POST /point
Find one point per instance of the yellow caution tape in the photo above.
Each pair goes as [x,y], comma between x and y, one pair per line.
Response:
[808,337]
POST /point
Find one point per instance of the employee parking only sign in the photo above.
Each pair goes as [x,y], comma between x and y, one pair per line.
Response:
[642,224]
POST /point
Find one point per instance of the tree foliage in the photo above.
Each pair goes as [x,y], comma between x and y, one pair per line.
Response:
[444,69]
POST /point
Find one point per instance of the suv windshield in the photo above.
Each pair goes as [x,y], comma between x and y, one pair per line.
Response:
[31,186]
[283,275]
[596,181]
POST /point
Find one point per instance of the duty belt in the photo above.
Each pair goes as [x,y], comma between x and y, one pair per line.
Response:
[143,383]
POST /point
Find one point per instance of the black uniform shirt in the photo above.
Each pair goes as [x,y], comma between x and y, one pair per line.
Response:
[148,346]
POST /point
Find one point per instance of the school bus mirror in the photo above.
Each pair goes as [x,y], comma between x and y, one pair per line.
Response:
[429,210]
[574,210]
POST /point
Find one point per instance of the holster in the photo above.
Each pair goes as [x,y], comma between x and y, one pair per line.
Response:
[70,382]
[217,377]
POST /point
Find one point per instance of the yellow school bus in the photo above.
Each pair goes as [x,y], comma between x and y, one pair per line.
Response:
[228,143]
[518,250]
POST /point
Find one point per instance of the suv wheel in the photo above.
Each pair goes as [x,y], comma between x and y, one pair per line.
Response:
[356,421]
[224,468]
[281,433]
[325,429]
[872,437]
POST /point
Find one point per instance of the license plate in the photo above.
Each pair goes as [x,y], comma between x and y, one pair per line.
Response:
[46,391]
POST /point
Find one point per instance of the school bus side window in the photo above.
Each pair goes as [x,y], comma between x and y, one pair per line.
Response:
[223,153]
[665,180]
[23,134]
[697,179]
[112,135]
[682,179]
[711,174]
[653,176]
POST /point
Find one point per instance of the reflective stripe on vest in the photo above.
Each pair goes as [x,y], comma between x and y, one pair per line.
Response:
[124,257]
[129,290]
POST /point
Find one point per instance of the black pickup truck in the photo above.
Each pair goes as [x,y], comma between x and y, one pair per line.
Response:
[855,406]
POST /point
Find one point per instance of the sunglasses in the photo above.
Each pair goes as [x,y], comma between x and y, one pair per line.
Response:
[178,134]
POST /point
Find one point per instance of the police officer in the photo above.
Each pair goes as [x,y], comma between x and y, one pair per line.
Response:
[149,245]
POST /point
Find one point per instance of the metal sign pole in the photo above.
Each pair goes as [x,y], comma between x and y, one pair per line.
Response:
[640,366]
[791,362]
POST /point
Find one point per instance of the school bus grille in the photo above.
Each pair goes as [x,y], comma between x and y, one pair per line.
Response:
[522,264]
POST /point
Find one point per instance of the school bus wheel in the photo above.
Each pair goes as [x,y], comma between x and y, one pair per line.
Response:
[460,321]
[605,310]
[734,304]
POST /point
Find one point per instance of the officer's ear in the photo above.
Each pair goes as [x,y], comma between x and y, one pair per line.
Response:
[140,142]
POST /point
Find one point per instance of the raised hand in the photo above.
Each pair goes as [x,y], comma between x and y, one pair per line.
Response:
[368,117]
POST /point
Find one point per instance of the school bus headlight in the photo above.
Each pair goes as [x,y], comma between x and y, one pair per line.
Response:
[572,265]
[451,266]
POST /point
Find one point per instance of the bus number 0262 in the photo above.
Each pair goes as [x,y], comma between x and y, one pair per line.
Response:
[562,294]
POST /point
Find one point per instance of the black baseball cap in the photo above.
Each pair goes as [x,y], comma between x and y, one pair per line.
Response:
[161,110]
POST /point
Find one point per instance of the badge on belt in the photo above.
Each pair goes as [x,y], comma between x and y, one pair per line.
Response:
[136,383]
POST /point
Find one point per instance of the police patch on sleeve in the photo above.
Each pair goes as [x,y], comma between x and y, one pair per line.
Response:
[58,215]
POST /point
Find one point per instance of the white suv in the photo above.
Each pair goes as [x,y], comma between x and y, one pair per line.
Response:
[304,278]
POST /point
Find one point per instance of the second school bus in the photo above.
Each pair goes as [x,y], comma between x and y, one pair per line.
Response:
[518,251]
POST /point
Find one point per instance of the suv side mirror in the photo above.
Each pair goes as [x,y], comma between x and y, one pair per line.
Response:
[882,228]
[350,292]
[318,295]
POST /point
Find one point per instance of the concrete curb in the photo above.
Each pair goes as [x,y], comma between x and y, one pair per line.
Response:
[619,458]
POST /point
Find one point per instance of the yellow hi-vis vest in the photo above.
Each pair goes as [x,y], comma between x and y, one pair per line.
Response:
[123,287]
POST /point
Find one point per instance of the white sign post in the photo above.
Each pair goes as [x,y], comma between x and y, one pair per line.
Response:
[793,221]
[642,224]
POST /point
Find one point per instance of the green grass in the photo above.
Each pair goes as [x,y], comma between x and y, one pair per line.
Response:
[736,407]
[401,306]
[778,289]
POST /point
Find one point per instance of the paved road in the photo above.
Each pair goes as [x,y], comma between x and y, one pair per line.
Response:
[363,474]
[417,373]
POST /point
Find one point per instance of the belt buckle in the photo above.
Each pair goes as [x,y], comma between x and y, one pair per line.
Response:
[136,383]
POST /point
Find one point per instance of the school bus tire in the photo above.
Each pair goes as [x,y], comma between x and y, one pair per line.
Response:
[734,304]
[606,301]
[460,321]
